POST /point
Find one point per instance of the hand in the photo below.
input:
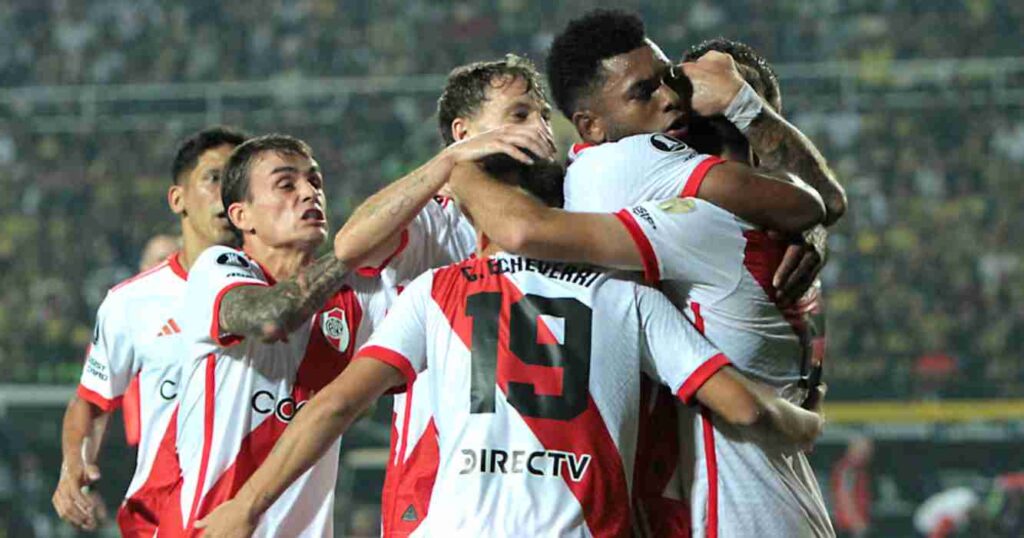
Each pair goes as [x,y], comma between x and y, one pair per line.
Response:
[813,403]
[715,81]
[71,498]
[511,140]
[229,520]
[800,266]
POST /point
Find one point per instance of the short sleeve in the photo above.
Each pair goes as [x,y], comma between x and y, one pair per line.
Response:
[674,351]
[633,170]
[217,271]
[688,240]
[110,359]
[401,340]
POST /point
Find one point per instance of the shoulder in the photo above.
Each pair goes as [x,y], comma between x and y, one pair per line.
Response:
[160,280]
[223,255]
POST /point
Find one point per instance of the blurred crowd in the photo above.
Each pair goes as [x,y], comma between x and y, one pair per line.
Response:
[925,284]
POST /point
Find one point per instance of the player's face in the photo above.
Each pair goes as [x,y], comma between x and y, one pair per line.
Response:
[200,197]
[287,201]
[508,102]
[636,97]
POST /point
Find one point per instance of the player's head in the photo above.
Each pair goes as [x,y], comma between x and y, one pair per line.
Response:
[755,68]
[273,193]
[544,179]
[195,188]
[610,80]
[713,135]
[157,249]
[484,95]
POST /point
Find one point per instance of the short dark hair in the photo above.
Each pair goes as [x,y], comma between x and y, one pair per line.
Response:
[193,147]
[234,184]
[574,61]
[544,179]
[467,85]
[760,75]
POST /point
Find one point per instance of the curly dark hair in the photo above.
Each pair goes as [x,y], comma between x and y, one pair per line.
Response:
[574,61]
[544,179]
[193,147]
[467,85]
[758,73]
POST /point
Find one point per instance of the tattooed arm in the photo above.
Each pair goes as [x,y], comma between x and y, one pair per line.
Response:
[371,233]
[271,312]
[779,145]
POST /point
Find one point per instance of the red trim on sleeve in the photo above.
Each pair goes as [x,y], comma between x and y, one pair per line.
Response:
[700,376]
[231,339]
[174,262]
[388,356]
[106,404]
[697,176]
[371,272]
[652,274]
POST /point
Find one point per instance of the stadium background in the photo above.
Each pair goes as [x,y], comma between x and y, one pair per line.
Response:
[916,104]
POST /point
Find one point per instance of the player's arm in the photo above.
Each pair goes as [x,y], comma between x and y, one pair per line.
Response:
[84,427]
[271,312]
[371,233]
[773,200]
[322,420]
[686,361]
[742,402]
[718,88]
[522,224]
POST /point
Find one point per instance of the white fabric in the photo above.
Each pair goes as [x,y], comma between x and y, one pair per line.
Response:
[591,426]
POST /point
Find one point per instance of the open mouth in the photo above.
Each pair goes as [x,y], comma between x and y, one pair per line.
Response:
[314,214]
[678,128]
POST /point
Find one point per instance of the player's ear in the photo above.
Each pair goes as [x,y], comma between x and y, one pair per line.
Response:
[588,126]
[238,216]
[176,199]
[460,129]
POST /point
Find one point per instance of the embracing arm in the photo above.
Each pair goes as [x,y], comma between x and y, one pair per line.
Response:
[522,224]
[322,420]
[742,402]
[772,200]
[371,233]
[271,312]
[780,145]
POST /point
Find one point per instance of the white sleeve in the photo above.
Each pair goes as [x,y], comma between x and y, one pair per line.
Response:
[401,340]
[688,240]
[439,235]
[633,170]
[110,360]
[218,270]
[674,351]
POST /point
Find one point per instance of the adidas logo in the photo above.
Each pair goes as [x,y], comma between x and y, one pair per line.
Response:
[170,327]
[410,514]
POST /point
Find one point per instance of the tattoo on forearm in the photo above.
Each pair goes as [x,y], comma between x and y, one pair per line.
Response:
[277,310]
[780,145]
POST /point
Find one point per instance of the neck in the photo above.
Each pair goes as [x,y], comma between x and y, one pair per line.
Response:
[485,247]
[741,154]
[282,262]
[192,245]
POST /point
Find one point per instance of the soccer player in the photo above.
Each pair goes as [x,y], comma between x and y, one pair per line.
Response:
[270,342]
[717,265]
[262,328]
[486,107]
[539,366]
[137,337]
